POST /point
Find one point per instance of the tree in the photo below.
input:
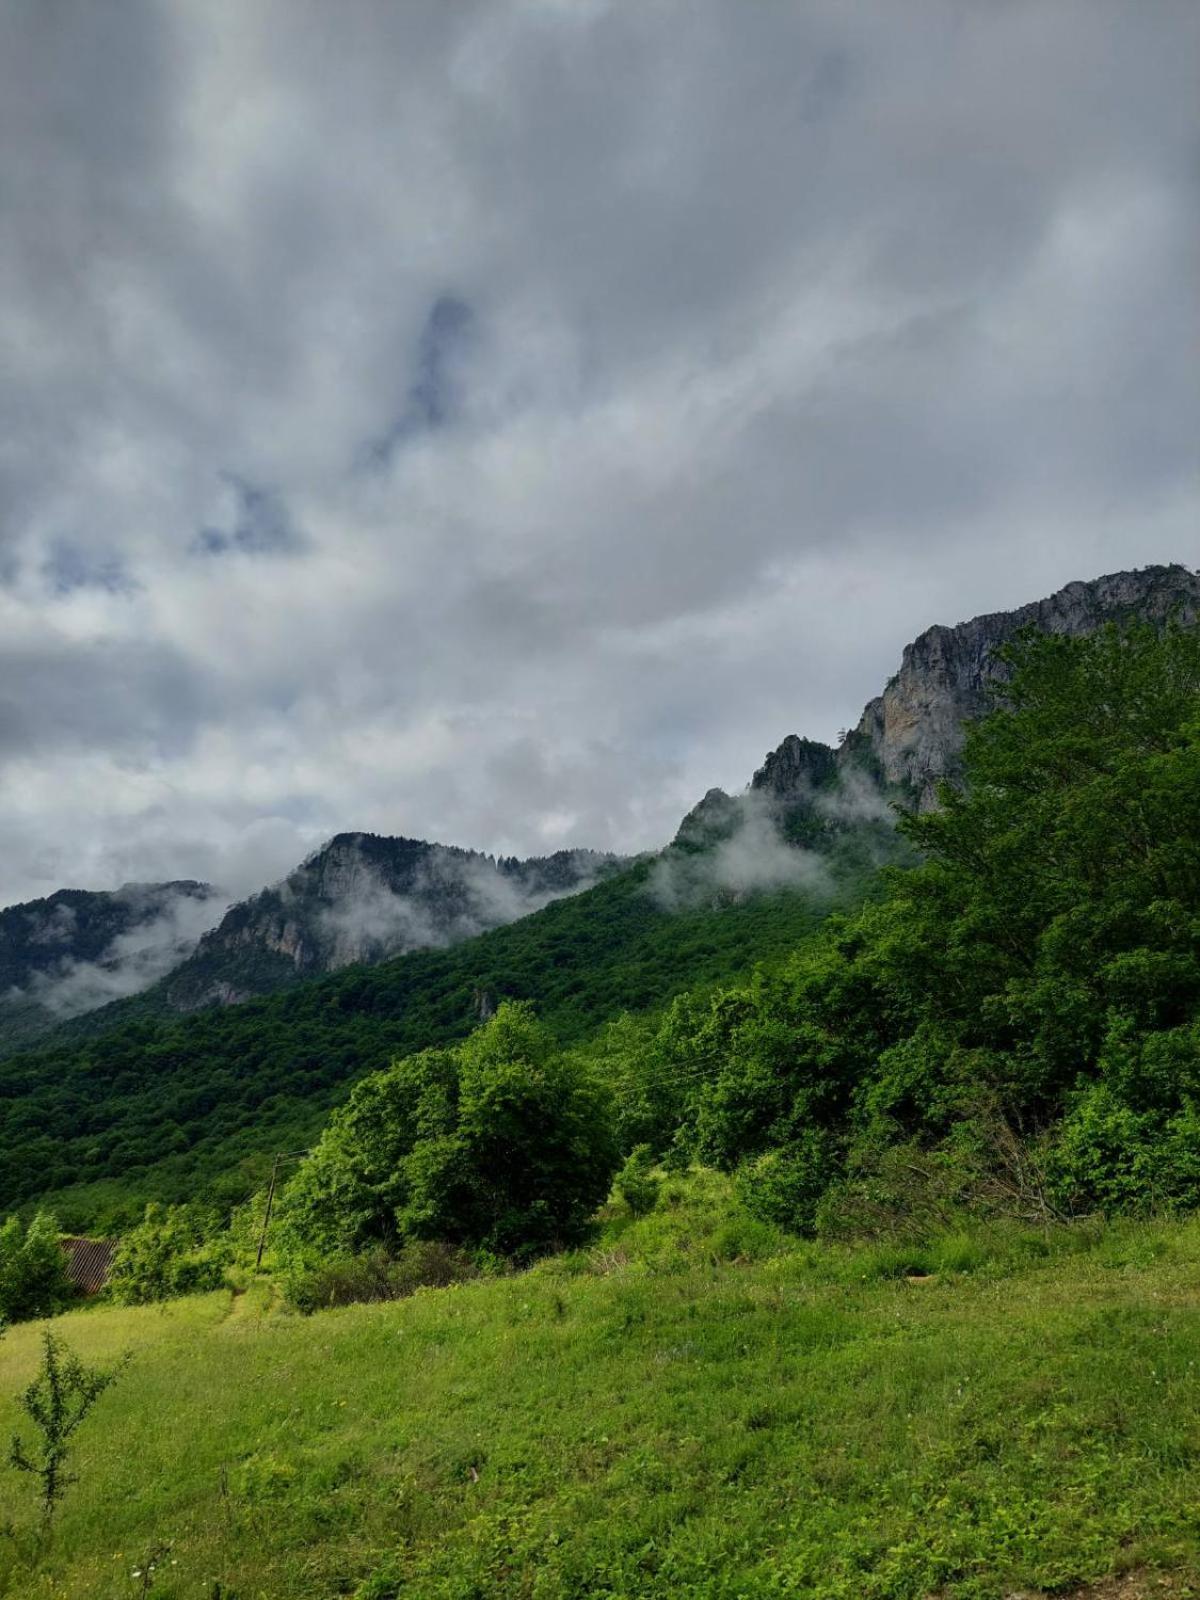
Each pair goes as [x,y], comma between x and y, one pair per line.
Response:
[57,1402]
[33,1269]
[504,1144]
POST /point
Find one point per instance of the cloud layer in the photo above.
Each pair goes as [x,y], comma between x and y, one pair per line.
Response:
[500,422]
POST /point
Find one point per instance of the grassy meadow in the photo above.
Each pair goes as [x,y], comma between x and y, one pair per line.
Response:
[694,1406]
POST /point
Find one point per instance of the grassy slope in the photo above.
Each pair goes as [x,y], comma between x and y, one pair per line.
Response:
[698,1409]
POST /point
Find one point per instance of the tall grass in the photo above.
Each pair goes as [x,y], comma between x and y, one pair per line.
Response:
[695,1406]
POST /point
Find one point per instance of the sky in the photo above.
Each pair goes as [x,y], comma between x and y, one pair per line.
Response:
[499,423]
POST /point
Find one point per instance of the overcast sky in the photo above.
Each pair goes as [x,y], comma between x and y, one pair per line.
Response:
[499,423]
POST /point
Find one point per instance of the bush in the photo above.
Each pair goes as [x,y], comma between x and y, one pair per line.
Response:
[174,1250]
[378,1274]
[1109,1158]
[635,1183]
[785,1186]
[503,1145]
[33,1270]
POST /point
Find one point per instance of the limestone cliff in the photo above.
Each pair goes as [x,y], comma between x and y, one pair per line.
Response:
[911,736]
[913,732]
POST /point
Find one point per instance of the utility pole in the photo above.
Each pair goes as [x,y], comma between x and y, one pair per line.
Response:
[293,1155]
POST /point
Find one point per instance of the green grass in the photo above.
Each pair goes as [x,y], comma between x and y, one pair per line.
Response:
[695,1407]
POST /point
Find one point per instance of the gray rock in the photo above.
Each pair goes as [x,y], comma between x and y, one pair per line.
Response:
[913,732]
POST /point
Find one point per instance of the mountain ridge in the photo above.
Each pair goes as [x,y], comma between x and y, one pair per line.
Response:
[364,897]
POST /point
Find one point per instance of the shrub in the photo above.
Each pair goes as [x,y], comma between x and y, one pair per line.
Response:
[33,1269]
[378,1274]
[1109,1158]
[174,1250]
[785,1186]
[503,1145]
[635,1182]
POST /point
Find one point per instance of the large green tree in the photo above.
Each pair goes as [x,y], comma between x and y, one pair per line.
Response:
[504,1144]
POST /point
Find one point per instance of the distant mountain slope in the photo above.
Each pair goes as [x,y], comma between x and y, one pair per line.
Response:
[79,949]
[364,898]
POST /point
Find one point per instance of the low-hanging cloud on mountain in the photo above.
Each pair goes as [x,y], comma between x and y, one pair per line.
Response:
[452,897]
[131,962]
[755,858]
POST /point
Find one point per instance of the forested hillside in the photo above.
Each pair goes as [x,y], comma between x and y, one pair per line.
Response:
[166,1106]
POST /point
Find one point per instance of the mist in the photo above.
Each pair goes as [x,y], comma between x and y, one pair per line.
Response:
[132,962]
[754,859]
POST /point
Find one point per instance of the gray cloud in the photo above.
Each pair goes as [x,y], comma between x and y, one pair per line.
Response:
[501,422]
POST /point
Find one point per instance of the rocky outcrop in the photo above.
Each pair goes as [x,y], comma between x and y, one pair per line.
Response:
[796,770]
[912,734]
[365,897]
[710,820]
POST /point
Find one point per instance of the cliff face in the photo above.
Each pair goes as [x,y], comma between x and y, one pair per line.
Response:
[911,736]
[912,733]
[363,897]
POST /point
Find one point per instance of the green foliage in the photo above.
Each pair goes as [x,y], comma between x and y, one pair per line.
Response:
[174,1250]
[57,1402]
[130,1104]
[1044,963]
[636,1183]
[1108,1157]
[378,1274]
[503,1144]
[33,1269]
[785,1186]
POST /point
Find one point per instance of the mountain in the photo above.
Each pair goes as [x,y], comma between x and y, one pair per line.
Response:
[912,734]
[367,898]
[364,898]
[79,949]
[910,737]
[137,1099]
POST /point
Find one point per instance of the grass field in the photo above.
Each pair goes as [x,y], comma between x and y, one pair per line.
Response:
[695,1408]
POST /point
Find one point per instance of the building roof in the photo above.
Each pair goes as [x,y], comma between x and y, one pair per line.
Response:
[88,1262]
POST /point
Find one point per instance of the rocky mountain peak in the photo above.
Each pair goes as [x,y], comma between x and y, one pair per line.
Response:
[366,897]
[912,734]
[796,769]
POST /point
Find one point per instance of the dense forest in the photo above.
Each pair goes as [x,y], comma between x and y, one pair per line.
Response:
[168,1107]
